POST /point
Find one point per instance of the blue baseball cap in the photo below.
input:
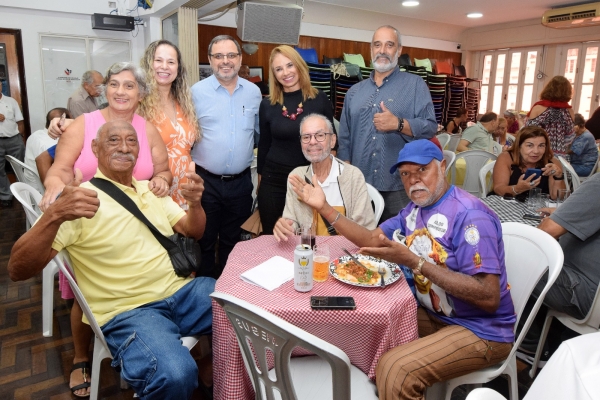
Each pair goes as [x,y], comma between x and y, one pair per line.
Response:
[418,152]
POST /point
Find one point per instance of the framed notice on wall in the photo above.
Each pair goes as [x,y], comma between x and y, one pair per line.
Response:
[66,58]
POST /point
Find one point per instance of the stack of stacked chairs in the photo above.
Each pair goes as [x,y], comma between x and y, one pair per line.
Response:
[473,98]
[437,88]
[420,71]
[341,85]
[366,72]
[456,95]
[321,77]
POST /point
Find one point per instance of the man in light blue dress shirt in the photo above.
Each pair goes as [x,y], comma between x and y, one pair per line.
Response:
[380,115]
[227,110]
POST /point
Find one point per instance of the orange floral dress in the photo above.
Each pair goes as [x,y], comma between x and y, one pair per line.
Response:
[179,139]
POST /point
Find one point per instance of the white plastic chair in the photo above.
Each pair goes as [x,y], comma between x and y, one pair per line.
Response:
[484,394]
[524,245]
[588,324]
[453,142]
[584,178]
[377,199]
[474,160]
[443,138]
[449,156]
[484,180]
[29,199]
[101,350]
[18,167]
[569,172]
[328,375]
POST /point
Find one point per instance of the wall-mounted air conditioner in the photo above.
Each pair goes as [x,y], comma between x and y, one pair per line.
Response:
[572,17]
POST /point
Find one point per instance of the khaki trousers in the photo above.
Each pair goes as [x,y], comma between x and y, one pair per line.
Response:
[443,352]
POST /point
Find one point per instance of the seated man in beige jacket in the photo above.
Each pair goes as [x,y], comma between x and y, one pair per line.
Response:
[344,185]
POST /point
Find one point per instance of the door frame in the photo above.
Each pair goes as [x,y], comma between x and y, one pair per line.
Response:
[22,81]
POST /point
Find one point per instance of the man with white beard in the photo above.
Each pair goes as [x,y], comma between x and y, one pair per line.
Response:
[455,251]
[343,184]
[380,115]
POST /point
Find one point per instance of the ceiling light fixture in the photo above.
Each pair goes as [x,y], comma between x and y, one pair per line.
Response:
[474,15]
[410,3]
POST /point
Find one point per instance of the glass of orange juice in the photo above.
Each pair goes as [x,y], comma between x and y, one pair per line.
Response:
[321,263]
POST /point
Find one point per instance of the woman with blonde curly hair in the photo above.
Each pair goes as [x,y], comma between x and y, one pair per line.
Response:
[169,107]
[291,98]
[554,114]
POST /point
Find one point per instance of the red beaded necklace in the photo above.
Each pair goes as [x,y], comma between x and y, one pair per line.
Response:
[293,117]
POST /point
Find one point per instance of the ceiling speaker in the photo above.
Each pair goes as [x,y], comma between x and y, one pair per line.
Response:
[266,22]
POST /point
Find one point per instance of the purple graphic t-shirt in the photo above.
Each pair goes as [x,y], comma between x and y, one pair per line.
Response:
[461,233]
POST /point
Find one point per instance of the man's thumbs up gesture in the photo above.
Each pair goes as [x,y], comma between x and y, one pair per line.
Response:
[75,202]
[193,188]
[385,121]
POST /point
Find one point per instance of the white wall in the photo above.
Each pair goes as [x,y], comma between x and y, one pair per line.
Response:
[323,20]
[32,23]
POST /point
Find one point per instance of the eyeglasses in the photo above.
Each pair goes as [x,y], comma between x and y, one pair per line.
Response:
[219,56]
[319,137]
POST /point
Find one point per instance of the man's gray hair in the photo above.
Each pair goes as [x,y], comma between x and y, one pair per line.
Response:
[510,113]
[392,28]
[220,38]
[138,73]
[321,117]
[88,77]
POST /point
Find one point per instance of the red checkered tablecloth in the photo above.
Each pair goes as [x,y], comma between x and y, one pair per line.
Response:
[383,319]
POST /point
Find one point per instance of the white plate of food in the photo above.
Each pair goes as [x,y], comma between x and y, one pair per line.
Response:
[344,269]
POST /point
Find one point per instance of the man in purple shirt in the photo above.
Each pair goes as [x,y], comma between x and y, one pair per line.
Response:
[454,248]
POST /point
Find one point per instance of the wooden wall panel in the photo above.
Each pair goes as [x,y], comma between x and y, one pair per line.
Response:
[324,46]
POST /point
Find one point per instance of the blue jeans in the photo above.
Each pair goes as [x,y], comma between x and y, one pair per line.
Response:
[146,342]
[582,170]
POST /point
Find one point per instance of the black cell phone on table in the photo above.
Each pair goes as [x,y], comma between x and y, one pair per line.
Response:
[332,303]
[533,171]
[538,216]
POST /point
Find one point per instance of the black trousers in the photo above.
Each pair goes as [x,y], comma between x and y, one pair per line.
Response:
[271,194]
[227,205]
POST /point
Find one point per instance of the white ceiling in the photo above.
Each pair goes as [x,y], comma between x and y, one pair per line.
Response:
[455,11]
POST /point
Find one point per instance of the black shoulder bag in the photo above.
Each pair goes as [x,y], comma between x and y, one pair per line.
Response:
[180,248]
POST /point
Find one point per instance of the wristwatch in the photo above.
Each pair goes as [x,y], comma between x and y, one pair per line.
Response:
[417,271]
[400,124]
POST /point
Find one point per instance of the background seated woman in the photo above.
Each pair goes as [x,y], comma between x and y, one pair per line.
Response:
[530,150]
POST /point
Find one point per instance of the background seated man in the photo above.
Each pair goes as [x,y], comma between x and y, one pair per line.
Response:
[344,185]
[37,143]
[479,136]
[583,150]
[514,121]
[454,247]
[576,225]
[125,274]
[44,161]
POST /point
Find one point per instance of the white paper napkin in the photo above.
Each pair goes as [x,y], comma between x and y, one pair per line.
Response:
[271,274]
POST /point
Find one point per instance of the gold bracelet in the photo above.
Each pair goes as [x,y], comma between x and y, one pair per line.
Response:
[514,191]
[163,178]
[417,271]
